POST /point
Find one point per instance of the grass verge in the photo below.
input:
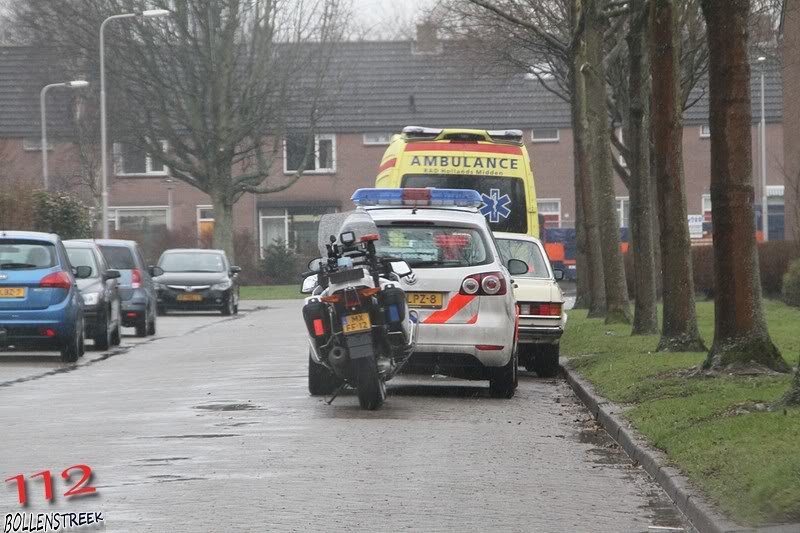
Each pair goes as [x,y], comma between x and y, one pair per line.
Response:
[271,292]
[714,429]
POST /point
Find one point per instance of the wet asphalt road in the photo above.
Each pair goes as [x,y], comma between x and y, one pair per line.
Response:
[209,427]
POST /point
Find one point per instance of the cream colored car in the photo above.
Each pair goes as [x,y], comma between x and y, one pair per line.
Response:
[542,317]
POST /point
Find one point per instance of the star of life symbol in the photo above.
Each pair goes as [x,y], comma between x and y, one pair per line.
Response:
[495,206]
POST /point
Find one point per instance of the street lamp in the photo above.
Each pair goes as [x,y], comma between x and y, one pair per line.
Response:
[77,84]
[762,138]
[149,13]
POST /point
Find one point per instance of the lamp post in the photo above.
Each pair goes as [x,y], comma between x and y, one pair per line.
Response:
[103,134]
[77,84]
[170,188]
[762,138]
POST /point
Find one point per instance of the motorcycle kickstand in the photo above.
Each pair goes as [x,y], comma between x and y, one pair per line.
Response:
[336,393]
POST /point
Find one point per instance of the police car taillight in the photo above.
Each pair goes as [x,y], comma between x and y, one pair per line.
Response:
[487,284]
[415,197]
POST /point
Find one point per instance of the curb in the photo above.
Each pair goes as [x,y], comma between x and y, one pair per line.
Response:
[688,500]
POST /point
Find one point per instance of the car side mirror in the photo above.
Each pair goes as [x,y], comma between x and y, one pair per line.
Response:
[517,267]
[400,268]
[83,271]
[111,274]
[309,282]
[558,274]
[315,265]
[155,271]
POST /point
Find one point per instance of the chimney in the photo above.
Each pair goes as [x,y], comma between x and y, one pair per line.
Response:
[427,42]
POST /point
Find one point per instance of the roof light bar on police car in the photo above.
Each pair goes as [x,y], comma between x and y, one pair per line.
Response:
[417,197]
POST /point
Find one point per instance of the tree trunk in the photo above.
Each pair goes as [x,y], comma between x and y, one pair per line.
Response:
[645,315]
[600,174]
[223,223]
[741,337]
[583,295]
[585,193]
[679,332]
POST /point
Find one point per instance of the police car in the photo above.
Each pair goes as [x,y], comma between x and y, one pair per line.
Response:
[461,288]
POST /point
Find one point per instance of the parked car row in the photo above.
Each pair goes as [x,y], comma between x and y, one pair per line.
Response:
[54,294]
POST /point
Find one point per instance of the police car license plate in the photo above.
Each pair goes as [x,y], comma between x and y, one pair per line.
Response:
[12,292]
[356,323]
[424,300]
[189,297]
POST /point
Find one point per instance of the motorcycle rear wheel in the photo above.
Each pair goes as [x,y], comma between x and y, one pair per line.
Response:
[371,389]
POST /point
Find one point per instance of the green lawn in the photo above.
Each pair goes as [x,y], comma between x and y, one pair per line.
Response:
[714,429]
[271,292]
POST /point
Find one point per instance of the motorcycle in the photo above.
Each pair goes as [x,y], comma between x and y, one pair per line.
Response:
[360,330]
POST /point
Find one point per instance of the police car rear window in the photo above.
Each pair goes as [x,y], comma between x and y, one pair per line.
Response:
[505,207]
[433,247]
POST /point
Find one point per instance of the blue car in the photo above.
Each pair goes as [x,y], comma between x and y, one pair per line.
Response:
[40,306]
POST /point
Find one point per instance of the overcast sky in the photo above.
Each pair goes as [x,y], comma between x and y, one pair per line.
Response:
[388,18]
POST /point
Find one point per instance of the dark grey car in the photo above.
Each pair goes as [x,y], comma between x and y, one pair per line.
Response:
[139,308]
[197,280]
[102,303]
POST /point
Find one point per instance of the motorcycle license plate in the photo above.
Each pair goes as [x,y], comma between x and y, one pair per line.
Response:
[356,323]
[424,300]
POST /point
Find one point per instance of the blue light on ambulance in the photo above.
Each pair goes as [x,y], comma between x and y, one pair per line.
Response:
[417,197]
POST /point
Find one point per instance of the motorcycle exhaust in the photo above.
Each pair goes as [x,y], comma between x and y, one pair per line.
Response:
[337,356]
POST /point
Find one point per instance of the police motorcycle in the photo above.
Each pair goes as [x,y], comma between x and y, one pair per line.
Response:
[360,330]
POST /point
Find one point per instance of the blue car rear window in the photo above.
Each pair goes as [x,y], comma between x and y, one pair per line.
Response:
[18,254]
[118,257]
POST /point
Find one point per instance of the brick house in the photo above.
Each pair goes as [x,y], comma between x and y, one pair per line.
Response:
[388,85]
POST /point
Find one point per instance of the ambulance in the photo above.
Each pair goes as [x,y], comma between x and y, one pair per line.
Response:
[493,162]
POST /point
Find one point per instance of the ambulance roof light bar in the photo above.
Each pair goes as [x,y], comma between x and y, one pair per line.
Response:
[514,136]
[422,132]
[412,197]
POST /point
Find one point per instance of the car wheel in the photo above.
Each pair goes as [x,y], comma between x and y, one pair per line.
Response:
[227,307]
[151,326]
[162,311]
[141,326]
[71,349]
[321,382]
[116,337]
[82,343]
[503,380]
[102,337]
[545,362]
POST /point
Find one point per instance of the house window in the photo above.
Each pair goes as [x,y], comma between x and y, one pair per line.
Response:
[138,219]
[545,135]
[623,211]
[294,227]
[321,161]
[132,160]
[550,212]
[35,145]
[705,131]
[380,139]
[205,224]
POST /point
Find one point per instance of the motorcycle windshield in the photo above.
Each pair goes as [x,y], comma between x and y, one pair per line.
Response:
[332,225]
